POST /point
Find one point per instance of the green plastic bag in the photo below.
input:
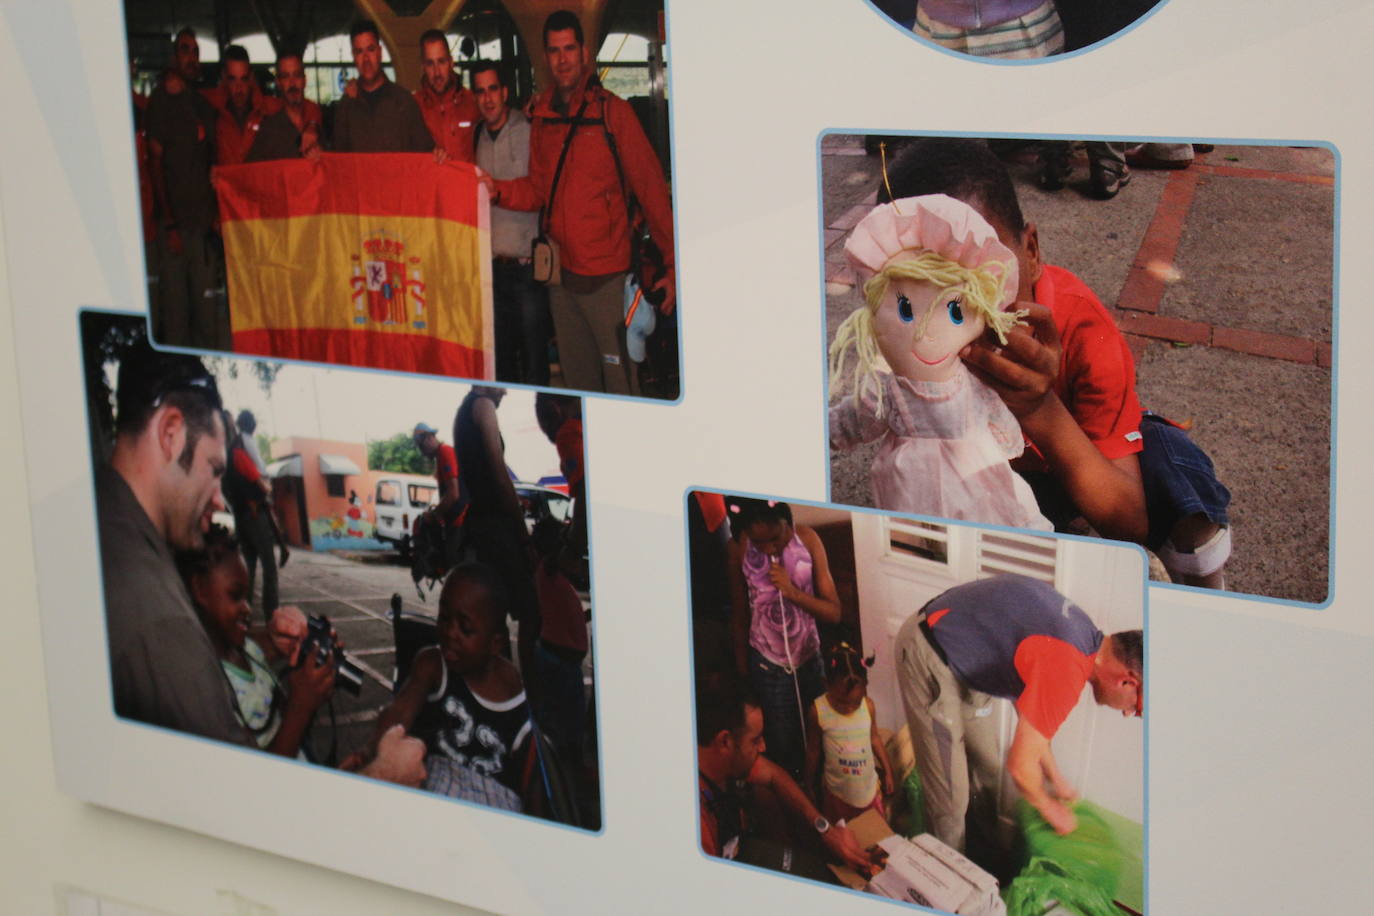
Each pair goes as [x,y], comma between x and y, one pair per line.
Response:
[1091,854]
[1044,882]
[915,805]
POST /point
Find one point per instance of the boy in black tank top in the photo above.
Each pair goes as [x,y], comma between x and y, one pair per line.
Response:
[463,698]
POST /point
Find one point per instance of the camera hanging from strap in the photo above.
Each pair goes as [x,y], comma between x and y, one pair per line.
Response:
[544,250]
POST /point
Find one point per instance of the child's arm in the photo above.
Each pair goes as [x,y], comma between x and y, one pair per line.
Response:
[307,686]
[1107,492]
[880,751]
[813,752]
[825,604]
[425,675]
[851,424]
[282,636]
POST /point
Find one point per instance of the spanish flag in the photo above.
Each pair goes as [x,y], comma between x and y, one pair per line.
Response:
[379,260]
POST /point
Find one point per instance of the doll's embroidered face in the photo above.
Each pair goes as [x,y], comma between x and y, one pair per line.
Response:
[921,328]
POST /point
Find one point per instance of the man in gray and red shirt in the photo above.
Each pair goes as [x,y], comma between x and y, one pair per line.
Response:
[1016,638]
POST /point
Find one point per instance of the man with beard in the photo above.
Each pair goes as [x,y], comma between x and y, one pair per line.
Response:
[450,111]
[156,496]
[294,130]
[605,160]
[731,768]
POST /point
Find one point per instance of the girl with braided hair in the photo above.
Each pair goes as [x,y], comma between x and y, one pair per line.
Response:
[780,589]
[842,741]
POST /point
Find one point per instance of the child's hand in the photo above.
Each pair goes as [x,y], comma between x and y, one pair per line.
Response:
[353,762]
[287,629]
[781,581]
[311,682]
[1023,371]
[399,759]
[889,784]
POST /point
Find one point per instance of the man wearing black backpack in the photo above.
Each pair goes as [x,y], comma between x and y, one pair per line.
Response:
[591,168]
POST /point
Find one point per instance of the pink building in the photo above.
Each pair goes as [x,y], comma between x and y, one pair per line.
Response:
[321,491]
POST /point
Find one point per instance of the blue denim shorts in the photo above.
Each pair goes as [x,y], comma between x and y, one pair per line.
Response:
[1179,479]
[1177,476]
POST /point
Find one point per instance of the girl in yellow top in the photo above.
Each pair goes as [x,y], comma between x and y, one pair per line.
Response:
[843,724]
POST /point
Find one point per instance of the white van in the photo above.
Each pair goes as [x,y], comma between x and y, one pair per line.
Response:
[397,500]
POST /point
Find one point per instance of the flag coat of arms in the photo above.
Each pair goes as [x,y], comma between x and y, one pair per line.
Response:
[379,260]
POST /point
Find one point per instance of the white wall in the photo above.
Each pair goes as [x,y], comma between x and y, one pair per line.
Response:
[815,516]
[1100,752]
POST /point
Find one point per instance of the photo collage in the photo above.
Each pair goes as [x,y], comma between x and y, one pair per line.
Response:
[456,454]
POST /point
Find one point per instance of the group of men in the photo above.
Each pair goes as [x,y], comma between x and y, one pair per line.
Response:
[579,172]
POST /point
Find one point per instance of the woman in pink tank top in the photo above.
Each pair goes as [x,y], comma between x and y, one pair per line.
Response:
[780,586]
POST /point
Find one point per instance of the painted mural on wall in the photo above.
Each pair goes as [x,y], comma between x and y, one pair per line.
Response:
[348,530]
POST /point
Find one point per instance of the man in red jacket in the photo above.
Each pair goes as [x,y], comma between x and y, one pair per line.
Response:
[605,158]
[242,108]
[450,110]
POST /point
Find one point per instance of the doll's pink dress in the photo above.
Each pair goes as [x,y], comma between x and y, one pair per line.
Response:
[944,452]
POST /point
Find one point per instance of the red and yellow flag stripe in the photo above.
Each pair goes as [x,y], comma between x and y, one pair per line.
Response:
[379,260]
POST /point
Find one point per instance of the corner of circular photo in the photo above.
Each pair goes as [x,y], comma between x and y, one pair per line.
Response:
[1016,31]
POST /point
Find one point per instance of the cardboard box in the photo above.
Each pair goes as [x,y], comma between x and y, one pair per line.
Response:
[914,875]
[924,871]
[928,872]
[986,897]
[869,829]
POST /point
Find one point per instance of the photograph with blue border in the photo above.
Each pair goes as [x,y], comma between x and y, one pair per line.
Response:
[1016,31]
[478,191]
[1131,337]
[387,576]
[936,712]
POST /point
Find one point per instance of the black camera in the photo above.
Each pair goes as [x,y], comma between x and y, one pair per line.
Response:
[319,639]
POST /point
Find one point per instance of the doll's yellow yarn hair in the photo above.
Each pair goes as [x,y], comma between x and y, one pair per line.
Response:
[982,289]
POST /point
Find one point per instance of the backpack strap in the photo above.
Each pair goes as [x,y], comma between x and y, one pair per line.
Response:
[574,123]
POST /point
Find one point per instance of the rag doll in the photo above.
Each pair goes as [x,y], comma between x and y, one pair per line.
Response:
[935,277]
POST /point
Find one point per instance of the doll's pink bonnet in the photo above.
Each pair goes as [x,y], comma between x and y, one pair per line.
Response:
[931,222]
